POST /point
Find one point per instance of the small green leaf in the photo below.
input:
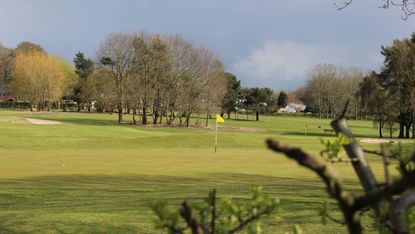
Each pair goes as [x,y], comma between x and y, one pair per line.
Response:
[297,229]
[343,139]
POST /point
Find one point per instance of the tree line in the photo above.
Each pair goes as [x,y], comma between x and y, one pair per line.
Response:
[166,79]
[387,97]
[157,79]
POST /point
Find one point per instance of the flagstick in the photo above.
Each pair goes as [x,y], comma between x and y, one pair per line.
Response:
[216,135]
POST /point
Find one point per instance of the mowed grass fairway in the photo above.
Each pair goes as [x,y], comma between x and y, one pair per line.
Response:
[90,175]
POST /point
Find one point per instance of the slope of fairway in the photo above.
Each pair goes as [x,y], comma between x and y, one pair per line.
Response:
[91,175]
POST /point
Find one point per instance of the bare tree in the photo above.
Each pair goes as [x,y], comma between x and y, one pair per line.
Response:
[329,86]
[214,82]
[186,70]
[117,54]
[160,67]
[103,90]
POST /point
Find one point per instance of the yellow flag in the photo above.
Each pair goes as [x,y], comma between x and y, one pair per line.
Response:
[219,119]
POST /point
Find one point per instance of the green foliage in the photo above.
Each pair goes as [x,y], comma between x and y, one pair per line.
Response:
[106,60]
[379,223]
[332,147]
[297,229]
[84,67]
[256,98]
[165,217]
[323,212]
[282,99]
[410,217]
[232,93]
[405,158]
[228,216]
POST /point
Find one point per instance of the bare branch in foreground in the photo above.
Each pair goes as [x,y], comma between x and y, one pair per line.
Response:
[397,210]
[330,178]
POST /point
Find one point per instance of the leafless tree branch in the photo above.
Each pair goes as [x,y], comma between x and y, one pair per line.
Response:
[330,178]
[343,5]
[397,210]
[407,6]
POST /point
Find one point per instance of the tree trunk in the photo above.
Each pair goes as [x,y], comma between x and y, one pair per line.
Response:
[134,122]
[155,117]
[256,115]
[187,120]
[413,124]
[229,115]
[407,130]
[401,129]
[207,119]
[380,128]
[161,118]
[119,113]
[144,119]
[401,126]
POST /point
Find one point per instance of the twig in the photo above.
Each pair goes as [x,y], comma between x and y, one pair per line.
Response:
[374,152]
[407,6]
[243,223]
[186,213]
[345,4]
[335,220]
[343,160]
[341,116]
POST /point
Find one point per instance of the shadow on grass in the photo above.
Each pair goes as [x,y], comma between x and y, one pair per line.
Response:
[313,134]
[119,203]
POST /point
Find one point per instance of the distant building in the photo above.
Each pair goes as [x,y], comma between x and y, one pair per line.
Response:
[292,108]
[6,98]
[5,94]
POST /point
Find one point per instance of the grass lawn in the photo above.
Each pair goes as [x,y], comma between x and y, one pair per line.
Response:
[90,175]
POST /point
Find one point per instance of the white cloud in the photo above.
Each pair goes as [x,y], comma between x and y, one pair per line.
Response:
[284,64]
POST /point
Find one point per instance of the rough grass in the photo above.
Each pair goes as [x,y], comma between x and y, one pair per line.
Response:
[90,175]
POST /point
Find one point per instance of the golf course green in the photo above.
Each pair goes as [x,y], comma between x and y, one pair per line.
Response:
[84,173]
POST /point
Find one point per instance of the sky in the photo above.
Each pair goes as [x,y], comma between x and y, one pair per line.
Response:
[265,43]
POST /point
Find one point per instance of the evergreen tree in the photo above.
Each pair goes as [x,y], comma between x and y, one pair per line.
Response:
[282,99]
